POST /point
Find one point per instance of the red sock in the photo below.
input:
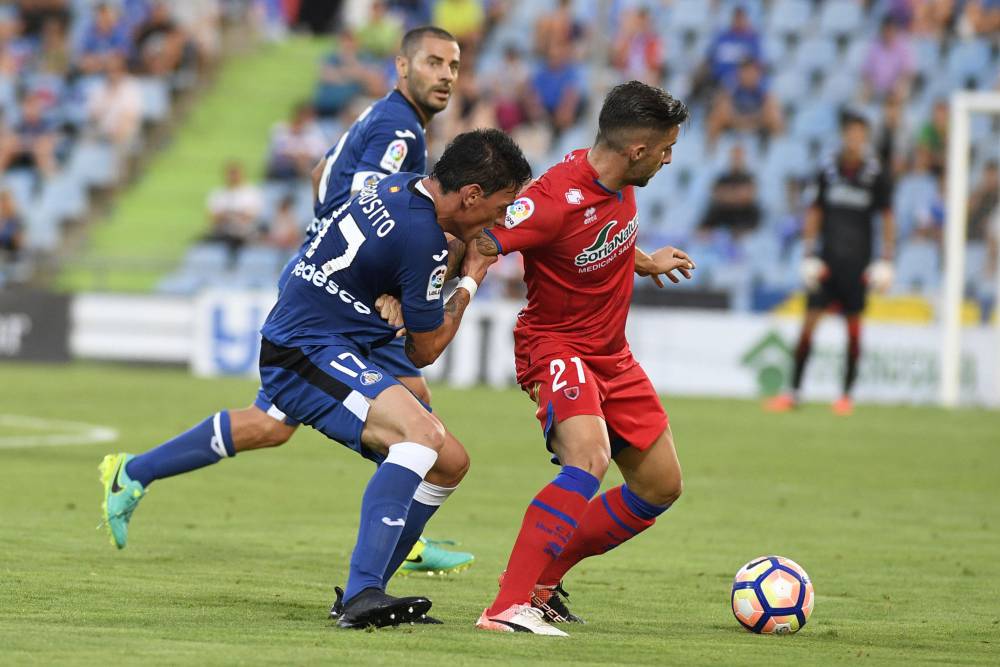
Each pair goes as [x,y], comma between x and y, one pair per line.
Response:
[607,523]
[547,528]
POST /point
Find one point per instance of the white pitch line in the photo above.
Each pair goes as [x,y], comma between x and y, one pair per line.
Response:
[78,433]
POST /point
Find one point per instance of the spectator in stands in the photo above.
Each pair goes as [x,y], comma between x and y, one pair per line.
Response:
[160,42]
[284,231]
[983,202]
[32,141]
[929,17]
[745,104]
[638,49]
[932,138]
[414,12]
[296,146]
[36,13]
[105,37]
[892,140]
[465,19]
[890,63]
[556,95]
[980,17]
[16,50]
[379,36]
[559,25]
[510,85]
[234,209]
[471,106]
[54,52]
[115,106]
[11,228]
[345,76]
[730,49]
[733,205]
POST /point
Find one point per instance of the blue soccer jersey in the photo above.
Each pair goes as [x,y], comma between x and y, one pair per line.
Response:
[387,138]
[386,240]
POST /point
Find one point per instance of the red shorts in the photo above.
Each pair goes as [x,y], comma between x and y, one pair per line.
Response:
[614,388]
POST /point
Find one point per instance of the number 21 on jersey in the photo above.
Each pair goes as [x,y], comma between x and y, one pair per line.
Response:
[557,367]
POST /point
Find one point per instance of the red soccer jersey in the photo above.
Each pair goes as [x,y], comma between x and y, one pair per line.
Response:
[578,243]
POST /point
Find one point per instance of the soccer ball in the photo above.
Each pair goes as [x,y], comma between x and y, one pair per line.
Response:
[772,595]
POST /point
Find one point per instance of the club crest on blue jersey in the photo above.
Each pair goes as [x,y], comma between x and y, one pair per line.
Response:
[369,377]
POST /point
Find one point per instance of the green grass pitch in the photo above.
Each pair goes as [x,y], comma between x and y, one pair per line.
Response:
[893,512]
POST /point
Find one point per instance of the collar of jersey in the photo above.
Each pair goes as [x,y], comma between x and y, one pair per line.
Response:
[396,92]
[593,173]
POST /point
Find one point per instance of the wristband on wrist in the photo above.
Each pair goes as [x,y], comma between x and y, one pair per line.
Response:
[469,284]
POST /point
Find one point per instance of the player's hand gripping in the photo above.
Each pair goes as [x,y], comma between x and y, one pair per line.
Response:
[476,263]
[664,261]
[391,310]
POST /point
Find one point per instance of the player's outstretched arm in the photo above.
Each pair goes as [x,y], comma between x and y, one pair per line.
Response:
[423,348]
[486,245]
[456,255]
[664,261]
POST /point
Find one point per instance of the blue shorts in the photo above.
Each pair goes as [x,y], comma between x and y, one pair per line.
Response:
[392,357]
[324,386]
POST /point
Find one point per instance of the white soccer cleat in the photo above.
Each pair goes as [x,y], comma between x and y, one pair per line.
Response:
[519,618]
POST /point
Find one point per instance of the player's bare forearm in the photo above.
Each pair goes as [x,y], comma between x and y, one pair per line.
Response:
[486,245]
[888,235]
[810,229]
[456,254]
[424,348]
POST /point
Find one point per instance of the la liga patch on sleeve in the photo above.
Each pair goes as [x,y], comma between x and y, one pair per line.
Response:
[518,212]
[436,282]
[394,155]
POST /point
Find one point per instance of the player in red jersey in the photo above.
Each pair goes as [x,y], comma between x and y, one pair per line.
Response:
[576,230]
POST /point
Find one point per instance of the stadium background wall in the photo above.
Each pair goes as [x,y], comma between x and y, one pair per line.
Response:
[34,326]
[685,351]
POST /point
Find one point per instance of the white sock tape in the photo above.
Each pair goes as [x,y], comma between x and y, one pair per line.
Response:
[412,456]
[470,285]
[432,494]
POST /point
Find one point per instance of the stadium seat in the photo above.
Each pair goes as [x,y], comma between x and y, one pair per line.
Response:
[840,87]
[970,60]
[789,17]
[258,266]
[927,53]
[790,86]
[155,99]
[840,17]
[917,267]
[692,16]
[20,183]
[816,55]
[817,121]
[93,163]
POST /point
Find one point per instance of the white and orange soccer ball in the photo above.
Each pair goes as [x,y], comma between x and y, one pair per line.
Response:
[772,595]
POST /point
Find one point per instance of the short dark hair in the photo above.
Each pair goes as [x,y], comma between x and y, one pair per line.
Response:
[635,105]
[852,117]
[411,40]
[487,157]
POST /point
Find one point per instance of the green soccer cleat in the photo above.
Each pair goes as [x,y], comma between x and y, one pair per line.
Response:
[428,558]
[121,496]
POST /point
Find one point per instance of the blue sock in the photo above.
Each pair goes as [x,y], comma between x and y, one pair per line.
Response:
[385,508]
[416,519]
[639,507]
[205,444]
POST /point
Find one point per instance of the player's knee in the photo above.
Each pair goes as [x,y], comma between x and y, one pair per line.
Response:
[425,429]
[667,491]
[596,462]
[450,470]
[274,434]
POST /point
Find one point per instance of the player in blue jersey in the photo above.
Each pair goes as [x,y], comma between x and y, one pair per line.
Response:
[388,137]
[316,363]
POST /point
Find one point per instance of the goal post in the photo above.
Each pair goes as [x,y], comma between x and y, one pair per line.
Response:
[963,105]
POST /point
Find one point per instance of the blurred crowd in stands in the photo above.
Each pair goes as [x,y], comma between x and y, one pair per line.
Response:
[81,84]
[766,80]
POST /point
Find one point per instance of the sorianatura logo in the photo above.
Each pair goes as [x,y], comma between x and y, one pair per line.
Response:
[606,244]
